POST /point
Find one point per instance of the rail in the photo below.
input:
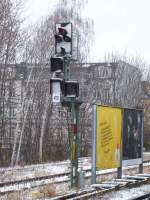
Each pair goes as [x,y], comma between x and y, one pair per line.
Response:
[12,186]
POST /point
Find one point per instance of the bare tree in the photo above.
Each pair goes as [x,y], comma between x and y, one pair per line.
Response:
[40,46]
[127,76]
[10,40]
[10,22]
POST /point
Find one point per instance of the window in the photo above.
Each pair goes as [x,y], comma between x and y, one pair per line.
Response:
[106,93]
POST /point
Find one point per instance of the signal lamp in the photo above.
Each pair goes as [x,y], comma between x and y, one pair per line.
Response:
[63,39]
[58,38]
[62,31]
[66,38]
[71,89]
[57,64]
[63,51]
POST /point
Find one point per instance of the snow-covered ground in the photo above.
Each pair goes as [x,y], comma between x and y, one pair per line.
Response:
[127,194]
[19,173]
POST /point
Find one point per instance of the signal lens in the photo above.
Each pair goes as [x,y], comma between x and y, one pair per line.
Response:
[62,31]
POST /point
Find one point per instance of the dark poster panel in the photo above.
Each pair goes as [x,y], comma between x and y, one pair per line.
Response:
[132,132]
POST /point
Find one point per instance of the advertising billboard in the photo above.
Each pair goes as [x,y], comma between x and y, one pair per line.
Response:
[132,137]
[108,137]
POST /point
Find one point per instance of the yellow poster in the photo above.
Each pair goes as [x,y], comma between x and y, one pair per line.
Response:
[108,137]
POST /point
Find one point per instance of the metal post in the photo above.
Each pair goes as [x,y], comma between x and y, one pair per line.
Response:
[66,68]
[94,144]
[71,103]
[77,144]
[119,170]
[74,143]
[142,133]
[73,131]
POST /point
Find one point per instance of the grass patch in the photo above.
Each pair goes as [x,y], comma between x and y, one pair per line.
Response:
[147,146]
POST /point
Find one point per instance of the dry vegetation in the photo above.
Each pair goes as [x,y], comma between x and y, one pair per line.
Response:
[39,193]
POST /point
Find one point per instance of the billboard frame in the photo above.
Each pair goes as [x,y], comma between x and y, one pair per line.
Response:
[93,144]
[94,138]
[123,163]
[136,161]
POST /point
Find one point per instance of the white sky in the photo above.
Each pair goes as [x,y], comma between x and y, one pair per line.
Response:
[120,25]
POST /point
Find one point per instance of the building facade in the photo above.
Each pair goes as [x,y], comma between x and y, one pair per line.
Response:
[145,102]
[33,127]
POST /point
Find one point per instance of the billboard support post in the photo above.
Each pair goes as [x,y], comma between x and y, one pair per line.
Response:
[141,165]
[119,170]
[94,144]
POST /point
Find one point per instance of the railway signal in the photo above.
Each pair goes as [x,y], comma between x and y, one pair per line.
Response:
[71,89]
[63,39]
[57,64]
[66,91]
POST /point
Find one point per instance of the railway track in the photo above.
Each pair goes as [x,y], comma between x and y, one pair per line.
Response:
[19,173]
[12,186]
[97,191]
[142,197]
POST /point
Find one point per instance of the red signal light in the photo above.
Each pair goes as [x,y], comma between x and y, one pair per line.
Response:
[62,31]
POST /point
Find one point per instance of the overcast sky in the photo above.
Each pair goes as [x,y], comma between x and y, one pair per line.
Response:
[120,25]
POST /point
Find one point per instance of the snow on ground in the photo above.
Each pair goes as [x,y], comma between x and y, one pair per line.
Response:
[18,173]
[127,194]
[33,171]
